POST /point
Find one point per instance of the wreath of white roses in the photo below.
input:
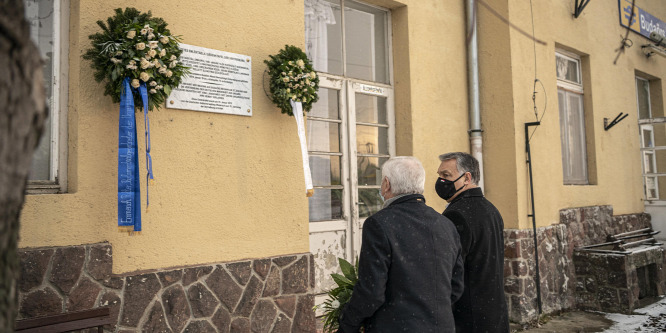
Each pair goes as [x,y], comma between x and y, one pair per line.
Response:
[136,45]
[292,78]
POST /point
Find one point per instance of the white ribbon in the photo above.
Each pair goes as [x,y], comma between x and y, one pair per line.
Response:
[297,109]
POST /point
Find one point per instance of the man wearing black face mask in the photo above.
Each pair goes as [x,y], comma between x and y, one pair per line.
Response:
[482,307]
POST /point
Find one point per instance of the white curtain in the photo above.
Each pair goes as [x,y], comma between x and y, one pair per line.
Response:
[318,13]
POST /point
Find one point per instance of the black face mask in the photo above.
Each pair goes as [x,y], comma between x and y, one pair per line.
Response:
[446,188]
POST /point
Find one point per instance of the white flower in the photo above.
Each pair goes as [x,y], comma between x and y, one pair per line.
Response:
[144,31]
[115,61]
[151,36]
[162,70]
[164,40]
[156,63]
[162,53]
[291,63]
[173,64]
[152,53]
[145,63]
[140,46]
[147,56]
[152,91]
[313,75]
[173,57]
[335,304]
[135,83]
[288,90]
[119,53]
[131,34]
[147,26]
[307,81]
[153,83]
[144,76]
[300,63]
[153,44]
[130,66]
[159,87]
[286,79]
[169,73]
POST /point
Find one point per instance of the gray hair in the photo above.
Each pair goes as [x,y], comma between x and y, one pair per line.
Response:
[405,174]
[464,163]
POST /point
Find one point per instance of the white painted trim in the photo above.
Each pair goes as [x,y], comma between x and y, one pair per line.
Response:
[57,182]
[63,147]
[326,226]
[353,168]
[566,84]
[648,96]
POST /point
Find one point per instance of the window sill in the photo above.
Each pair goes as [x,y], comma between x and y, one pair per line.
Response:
[36,187]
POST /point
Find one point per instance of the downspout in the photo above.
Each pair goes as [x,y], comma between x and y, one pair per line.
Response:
[475,139]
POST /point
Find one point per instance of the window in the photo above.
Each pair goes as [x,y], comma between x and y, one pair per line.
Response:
[652,131]
[572,119]
[49,30]
[350,130]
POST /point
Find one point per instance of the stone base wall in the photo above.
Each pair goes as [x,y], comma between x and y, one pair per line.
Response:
[610,282]
[260,295]
[578,227]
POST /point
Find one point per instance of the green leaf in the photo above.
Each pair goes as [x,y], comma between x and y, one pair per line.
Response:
[341,280]
[347,269]
[167,90]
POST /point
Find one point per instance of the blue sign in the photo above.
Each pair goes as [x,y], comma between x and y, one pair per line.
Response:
[642,22]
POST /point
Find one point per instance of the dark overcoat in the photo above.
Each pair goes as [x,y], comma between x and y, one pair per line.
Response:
[410,271]
[482,307]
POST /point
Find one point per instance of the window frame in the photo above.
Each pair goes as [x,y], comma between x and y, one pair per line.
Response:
[564,83]
[57,182]
[351,223]
[572,88]
[649,101]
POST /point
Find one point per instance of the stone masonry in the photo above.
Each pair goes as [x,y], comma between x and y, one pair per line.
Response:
[260,295]
[578,227]
[610,282]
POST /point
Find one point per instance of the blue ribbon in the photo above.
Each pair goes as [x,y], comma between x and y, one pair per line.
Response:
[129,196]
[149,161]
[129,190]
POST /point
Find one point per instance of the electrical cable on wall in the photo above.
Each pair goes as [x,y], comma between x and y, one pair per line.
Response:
[536,79]
[623,44]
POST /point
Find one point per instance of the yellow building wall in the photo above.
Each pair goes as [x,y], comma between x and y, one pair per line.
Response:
[231,187]
[613,156]
[227,187]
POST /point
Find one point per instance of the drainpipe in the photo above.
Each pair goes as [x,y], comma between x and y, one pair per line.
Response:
[475,139]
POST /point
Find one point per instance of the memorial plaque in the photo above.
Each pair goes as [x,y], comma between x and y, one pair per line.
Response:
[219,82]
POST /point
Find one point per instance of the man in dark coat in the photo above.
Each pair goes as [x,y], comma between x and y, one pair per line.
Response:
[482,307]
[410,266]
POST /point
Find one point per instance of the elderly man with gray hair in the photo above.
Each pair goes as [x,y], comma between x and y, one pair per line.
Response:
[410,266]
[482,307]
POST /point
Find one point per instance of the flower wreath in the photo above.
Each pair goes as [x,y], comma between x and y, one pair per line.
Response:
[292,78]
[136,45]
